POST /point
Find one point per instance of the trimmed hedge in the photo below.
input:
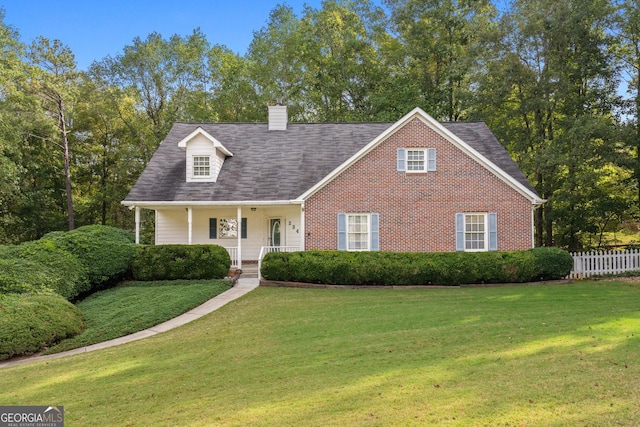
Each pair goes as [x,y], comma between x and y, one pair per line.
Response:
[105,252]
[412,268]
[31,323]
[173,262]
[36,266]
[554,263]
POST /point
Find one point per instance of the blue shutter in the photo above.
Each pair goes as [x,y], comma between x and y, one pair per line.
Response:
[342,232]
[243,228]
[213,228]
[459,232]
[493,231]
[402,161]
[375,232]
[431,159]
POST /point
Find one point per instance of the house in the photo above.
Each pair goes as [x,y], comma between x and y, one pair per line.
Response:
[412,185]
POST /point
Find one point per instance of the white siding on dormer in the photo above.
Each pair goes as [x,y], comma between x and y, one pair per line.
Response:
[216,164]
[199,145]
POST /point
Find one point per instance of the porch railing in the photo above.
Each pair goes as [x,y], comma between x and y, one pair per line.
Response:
[266,249]
[233,253]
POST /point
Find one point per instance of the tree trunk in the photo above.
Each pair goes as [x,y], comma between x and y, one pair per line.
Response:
[67,168]
[548,220]
[638,120]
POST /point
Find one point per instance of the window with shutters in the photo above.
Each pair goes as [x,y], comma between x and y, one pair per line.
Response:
[227,228]
[476,232]
[416,160]
[358,232]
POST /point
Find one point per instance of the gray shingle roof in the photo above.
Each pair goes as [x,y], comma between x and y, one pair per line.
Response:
[280,165]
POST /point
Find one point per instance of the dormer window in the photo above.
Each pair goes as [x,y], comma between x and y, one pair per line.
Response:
[204,156]
[202,166]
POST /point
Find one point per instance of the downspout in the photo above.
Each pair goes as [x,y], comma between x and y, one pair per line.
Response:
[137,211]
[533,225]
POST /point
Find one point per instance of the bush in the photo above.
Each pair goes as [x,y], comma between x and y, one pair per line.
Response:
[410,268]
[172,262]
[35,266]
[105,252]
[553,263]
[31,323]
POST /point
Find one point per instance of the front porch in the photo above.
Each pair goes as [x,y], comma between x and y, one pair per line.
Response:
[251,268]
[247,231]
[237,263]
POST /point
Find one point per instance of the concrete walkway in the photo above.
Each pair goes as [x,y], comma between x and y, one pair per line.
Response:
[242,287]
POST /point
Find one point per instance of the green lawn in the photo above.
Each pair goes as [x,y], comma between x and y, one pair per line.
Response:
[549,355]
[135,306]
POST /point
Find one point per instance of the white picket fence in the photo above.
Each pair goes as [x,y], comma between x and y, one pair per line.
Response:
[586,264]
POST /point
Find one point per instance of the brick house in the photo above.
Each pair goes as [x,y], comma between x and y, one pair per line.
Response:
[412,185]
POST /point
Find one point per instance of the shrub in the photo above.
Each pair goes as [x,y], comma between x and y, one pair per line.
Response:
[552,263]
[105,252]
[172,262]
[31,323]
[38,265]
[410,268]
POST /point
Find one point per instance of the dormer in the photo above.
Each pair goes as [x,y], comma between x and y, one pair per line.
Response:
[204,156]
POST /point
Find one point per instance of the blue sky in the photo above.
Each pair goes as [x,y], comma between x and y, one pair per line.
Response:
[94,29]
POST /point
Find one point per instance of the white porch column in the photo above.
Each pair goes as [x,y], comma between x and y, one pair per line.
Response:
[190,220]
[137,225]
[239,237]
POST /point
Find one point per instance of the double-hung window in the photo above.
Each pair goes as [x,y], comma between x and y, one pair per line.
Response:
[476,232]
[416,159]
[201,166]
[358,232]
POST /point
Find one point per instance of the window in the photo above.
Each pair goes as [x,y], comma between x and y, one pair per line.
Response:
[202,166]
[416,159]
[358,232]
[476,232]
[227,228]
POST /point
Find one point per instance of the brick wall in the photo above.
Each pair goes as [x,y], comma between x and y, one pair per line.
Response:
[417,211]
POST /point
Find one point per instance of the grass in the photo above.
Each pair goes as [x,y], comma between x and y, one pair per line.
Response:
[135,306]
[548,355]
[622,237]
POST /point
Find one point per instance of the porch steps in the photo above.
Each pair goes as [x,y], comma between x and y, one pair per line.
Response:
[249,271]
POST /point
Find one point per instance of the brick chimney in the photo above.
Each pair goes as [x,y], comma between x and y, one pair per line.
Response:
[278,117]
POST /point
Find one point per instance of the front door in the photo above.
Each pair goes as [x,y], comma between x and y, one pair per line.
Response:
[274,232]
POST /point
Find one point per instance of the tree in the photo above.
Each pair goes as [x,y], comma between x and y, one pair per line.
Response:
[551,92]
[233,95]
[12,71]
[163,76]
[440,43]
[108,154]
[275,62]
[628,34]
[54,80]
[343,70]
